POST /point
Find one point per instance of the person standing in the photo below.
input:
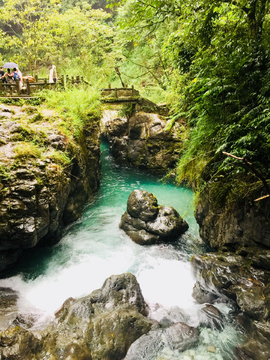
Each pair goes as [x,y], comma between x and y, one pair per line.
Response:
[2,75]
[21,78]
[53,74]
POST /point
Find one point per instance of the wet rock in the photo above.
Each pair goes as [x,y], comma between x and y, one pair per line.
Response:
[101,325]
[212,317]
[148,223]
[258,344]
[202,295]
[179,336]
[143,205]
[211,349]
[226,275]
[146,347]
[8,306]
[246,223]
[106,322]
[143,141]
[251,300]
[17,343]
[8,257]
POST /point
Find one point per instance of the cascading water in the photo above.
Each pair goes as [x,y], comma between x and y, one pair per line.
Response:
[94,248]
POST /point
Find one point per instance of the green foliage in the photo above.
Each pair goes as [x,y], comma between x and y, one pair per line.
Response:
[78,107]
[216,73]
[28,38]
[37,34]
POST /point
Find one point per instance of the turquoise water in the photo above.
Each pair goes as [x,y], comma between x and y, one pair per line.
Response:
[94,248]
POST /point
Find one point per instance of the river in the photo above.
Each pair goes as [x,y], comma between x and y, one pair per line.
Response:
[94,248]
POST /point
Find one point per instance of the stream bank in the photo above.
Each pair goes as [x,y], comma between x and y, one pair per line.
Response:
[46,177]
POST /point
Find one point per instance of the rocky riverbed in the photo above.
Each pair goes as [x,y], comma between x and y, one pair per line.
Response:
[47,177]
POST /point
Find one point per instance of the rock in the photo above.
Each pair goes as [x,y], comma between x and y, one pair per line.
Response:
[143,205]
[148,223]
[258,344]
[39,198]
[245,223]
[17,343]
[143,141]
[211,349]
[101,325]
[8,306]
[181,336]
[251,300]
[202,295]
[146,346]
[178,336]
[227,276]
[212,317]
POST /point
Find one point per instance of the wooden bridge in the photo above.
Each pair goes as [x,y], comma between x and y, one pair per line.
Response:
[110,95]
[31,86]
[120,95]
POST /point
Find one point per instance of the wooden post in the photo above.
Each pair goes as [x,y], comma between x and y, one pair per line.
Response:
[82,79]
[116,96]
[72,79]
[28,87]
[18,87]
[78,79]
[132,87]
[36,78]
[109,86]
[67,79]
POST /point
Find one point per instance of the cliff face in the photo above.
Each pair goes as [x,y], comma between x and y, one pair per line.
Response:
[245,222]
[45,178]
[143,141]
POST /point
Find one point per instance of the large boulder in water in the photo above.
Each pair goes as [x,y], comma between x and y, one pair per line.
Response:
[101,325]
[147,223]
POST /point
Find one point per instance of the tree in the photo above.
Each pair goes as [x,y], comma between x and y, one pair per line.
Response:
[25,24]
[220,58]
[81,38]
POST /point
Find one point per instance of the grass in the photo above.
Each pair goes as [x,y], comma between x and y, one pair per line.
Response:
[77,107]
[27,150]
[58,157]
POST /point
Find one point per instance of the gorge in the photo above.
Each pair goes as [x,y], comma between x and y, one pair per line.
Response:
[170,276]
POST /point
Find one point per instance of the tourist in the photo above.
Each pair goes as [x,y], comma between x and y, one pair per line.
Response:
[53,75]
[21,78]
[2,75]
[8,76]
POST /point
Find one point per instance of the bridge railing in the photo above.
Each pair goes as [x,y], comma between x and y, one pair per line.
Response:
[32,85]
[119,94]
